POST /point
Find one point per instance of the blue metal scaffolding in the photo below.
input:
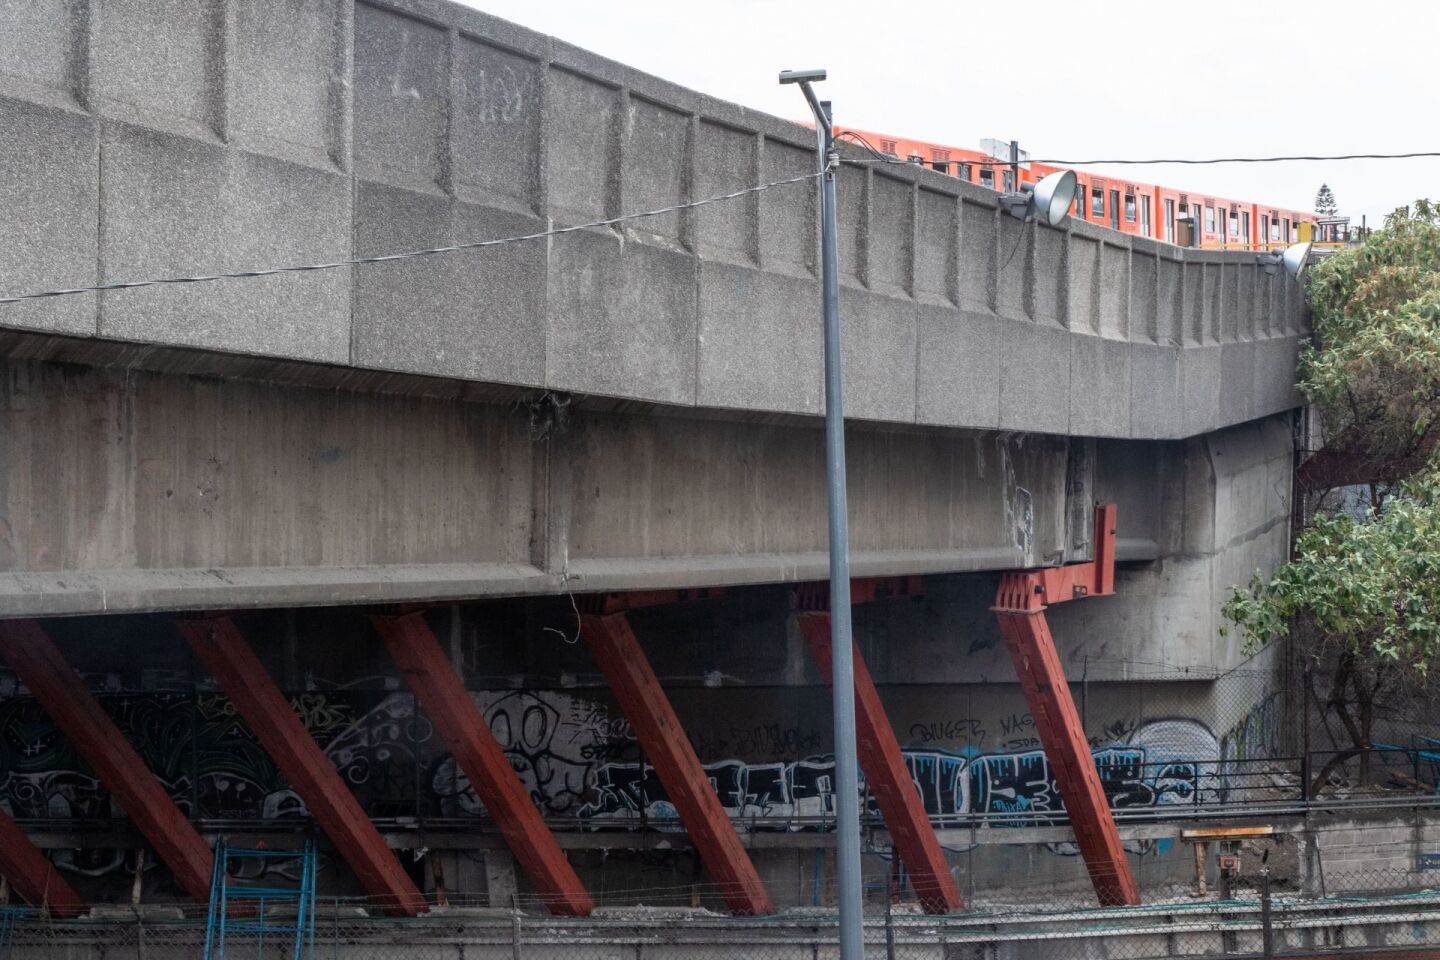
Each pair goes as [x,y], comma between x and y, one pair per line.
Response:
[9,917]
[242,913]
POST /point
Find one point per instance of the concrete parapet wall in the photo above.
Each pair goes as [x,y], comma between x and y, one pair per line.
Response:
[146,138]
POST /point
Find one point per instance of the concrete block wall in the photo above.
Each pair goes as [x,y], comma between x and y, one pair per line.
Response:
[1353,855]
[234,134]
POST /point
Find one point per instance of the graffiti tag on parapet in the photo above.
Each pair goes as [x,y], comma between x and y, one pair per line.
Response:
[930,731]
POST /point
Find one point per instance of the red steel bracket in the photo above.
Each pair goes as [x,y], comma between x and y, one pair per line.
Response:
[222,648]
[602,604]
[449,705]
[889,778]
[814,597]
[1020,607]
[643,700]
[32,875]
[60,690]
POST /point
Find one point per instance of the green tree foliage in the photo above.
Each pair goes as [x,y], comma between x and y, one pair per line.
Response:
[1373,369]
[1361,596]
[1325,201]
[1368,584]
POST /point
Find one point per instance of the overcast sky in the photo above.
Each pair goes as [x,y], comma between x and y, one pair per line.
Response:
[1099,79]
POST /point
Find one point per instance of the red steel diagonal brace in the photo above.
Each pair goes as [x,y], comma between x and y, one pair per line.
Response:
[60,690]
[220,646]
[33,876]
[440,691]
[1020,607]
[889,779]
[666,746]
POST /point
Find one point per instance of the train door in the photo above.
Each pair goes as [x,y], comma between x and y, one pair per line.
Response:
[1169,220]
[1114,209]
[1145,215]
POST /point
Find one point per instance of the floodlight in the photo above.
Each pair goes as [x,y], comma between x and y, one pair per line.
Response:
[801,76]
[1295,257]
[1048,201]
[1052,197]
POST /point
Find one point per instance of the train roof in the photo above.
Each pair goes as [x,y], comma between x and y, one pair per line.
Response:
[905,148]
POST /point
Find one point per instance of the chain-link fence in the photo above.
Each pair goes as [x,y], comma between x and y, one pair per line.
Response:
[1343,886]
[1249,922]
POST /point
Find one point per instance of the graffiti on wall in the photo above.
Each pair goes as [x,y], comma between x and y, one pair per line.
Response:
[1259,733]
[573,756]
[1165,762]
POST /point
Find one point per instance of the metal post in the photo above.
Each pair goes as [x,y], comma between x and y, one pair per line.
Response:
[1305,737]
[889,916]
[842,687]
[1267,932]
[1014,165]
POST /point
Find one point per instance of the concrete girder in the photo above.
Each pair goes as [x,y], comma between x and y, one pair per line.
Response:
[222,648]
[666,746]
[60,690]
[442,694]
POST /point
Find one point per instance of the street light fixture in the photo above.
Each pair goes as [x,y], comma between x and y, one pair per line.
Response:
[1047,201]
[1295,258]
[842,687]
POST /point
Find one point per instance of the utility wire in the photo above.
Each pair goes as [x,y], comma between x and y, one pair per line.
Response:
[409,254]
[884,158]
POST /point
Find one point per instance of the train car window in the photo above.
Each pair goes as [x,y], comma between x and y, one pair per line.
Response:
[941,165]
[1079,198]
[1130,207]
[1234,224]
[1209,219]
[1008,180]
[964,173]
[987,177]
[1097,202]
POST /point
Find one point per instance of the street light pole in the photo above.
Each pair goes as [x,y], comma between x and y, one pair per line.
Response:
[847,780]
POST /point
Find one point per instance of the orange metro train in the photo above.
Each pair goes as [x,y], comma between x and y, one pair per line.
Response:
[1143,209]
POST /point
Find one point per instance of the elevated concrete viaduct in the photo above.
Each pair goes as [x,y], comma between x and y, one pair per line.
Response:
[622,408]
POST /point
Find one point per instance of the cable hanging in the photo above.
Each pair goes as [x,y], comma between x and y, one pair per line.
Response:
[885,158]
[409,254]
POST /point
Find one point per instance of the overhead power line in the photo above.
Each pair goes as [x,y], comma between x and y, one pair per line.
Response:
[885,158]
[408,254]
[1215,160]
